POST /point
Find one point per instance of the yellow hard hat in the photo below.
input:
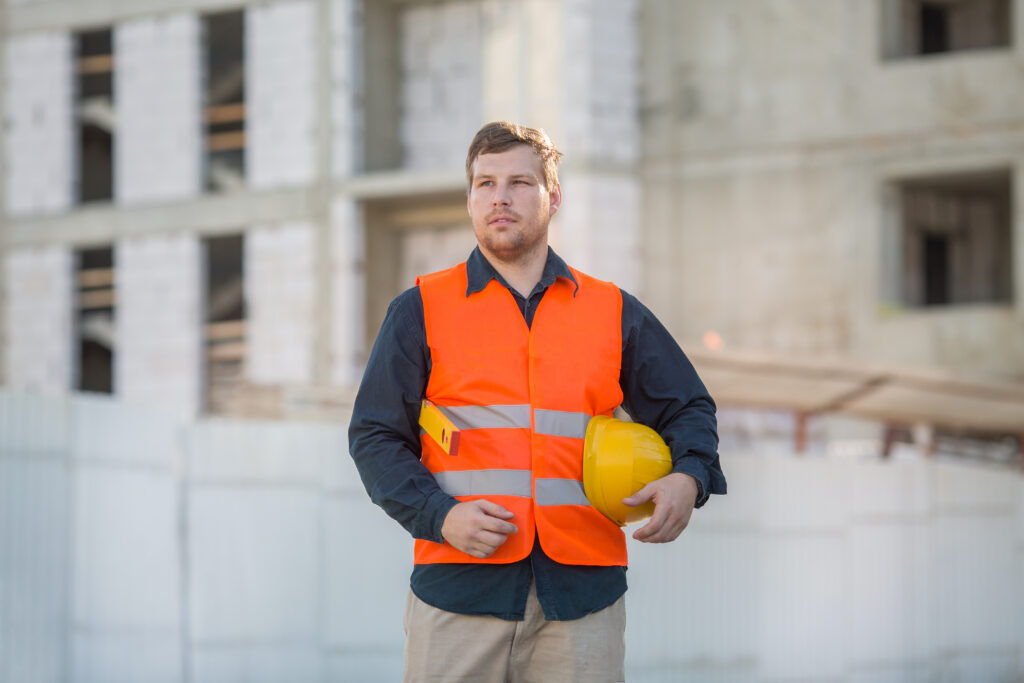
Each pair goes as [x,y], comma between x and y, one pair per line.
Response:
[619,459]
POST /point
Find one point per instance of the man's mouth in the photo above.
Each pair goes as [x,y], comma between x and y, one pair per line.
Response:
[501,219]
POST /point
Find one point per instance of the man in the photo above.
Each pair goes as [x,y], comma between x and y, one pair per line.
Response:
[516,578]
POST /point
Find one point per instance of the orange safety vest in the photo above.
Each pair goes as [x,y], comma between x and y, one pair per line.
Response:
[521,398]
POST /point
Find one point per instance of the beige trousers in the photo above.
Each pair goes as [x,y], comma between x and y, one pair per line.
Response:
[446,647]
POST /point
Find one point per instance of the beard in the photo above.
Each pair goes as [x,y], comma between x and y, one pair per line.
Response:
[512,243]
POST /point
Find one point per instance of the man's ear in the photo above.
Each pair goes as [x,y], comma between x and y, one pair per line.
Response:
[555,197]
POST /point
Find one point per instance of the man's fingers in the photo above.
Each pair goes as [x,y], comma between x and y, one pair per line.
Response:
[494,510]
[649,530]
[490,539]
[484,543]
[493,516]
[498,526]
[478,527]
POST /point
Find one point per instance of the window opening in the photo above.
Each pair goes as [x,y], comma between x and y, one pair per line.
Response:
[936,270]
[94,112]
[225,320]
[957,239]
[934,18]
[224,36]
[928,27]
[96,304]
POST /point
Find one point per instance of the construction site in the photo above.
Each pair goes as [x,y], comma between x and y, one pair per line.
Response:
[206,207]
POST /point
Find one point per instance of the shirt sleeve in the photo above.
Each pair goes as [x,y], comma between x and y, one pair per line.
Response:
[383,435]
[661,389]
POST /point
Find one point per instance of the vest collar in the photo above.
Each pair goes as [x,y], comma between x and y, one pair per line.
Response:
[479,272]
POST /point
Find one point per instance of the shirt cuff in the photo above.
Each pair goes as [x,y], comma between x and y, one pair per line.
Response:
[695,469]
[438,508]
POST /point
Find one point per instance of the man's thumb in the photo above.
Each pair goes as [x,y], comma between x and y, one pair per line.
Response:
[640,497]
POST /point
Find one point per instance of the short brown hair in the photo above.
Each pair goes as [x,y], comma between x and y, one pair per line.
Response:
[500,136]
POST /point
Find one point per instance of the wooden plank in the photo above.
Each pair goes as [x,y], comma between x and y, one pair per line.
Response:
[101,298]
[220,142]
[96,64]
[230,329]
[96,277]
[231,351]
[226,113]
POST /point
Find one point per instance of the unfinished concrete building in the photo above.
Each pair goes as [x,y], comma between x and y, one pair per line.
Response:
[831,180]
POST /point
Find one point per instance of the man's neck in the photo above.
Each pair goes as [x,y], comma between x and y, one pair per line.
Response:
[523,274]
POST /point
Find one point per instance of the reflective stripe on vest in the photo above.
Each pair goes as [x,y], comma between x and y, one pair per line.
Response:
[511,483]
[560,492]
[561,423]
[550,422]
[485,482]
[488,417]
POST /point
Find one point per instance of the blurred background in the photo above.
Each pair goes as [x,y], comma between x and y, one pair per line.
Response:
[206,206]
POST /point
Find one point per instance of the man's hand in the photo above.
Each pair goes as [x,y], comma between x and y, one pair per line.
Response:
[674,497]
[477,527]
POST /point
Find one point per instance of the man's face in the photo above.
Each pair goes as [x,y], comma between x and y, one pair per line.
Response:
[509,205]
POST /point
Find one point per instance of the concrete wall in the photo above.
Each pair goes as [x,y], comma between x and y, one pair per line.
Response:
[771,139]
[279,294]
[441,74]
[348,287]
[733,166]
[38,351]
[159,322]
[159,132]
[137,546]
[125,574]
[346,107]
[598,229]
[280,81]
[39,131]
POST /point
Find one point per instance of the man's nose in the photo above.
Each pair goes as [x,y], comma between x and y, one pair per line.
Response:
[501,196]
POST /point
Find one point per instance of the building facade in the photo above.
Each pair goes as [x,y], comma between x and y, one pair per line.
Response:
[209,205]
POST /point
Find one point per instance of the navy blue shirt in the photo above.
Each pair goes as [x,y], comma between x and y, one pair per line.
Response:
[660,389]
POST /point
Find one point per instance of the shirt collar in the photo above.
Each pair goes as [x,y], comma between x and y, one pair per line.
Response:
[479,272]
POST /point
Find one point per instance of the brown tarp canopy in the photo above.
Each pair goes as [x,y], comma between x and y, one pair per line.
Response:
[894,396]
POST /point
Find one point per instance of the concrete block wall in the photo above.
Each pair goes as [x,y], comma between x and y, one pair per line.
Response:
[158,99]
[346,84]
[280,298]
[598,226]
[38,353]
[159,321]
[508,54]
[348,292]
[280,81]
[38,130]
[601,71]
[428,250]
[441,81]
